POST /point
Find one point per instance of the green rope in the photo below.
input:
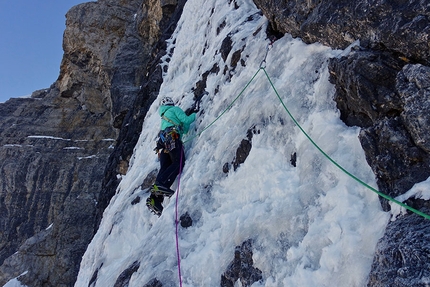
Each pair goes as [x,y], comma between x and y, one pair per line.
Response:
[310,139]
[338,165]
[228,108]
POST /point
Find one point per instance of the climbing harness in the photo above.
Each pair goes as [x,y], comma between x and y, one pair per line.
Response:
[167,138]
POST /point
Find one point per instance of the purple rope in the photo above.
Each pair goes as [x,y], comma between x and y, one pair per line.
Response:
[176,222]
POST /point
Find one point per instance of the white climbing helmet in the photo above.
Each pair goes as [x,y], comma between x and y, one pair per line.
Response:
[167,101]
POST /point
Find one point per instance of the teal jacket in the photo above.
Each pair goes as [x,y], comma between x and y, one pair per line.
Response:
[176,115]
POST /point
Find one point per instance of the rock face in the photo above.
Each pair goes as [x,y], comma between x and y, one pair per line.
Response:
[167,13]
[49,186]
[389,101]
[241,268]
[402,256]
[57,146]
[62,149]
[401,27]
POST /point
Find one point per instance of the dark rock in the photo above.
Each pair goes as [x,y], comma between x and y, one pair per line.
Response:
[293,159]
[186,220]
[393,108]
[149,179]
[226,168]
[93,279]
[244,148]
[394,158]
[402,256]
[50,177]
[241,268]
[399,26]
[153,283]
[242,153]
[365,86]
[389,100]
[200,89]
[53,144]
[136,200]
[235,58]
[413,84]
[124,277]
[226,47]
[167,15]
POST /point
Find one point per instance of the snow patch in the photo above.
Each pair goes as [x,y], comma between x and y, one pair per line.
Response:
[88,157]
[420,190]
[15,282]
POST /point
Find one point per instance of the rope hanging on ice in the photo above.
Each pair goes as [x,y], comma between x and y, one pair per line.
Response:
[263,68]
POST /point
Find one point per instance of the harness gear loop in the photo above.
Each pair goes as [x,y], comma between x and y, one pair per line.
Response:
[167,139]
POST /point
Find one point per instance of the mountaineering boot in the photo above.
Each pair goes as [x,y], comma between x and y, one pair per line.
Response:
[161,190]
[154,205]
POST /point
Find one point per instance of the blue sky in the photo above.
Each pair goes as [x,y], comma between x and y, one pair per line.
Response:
[31,35]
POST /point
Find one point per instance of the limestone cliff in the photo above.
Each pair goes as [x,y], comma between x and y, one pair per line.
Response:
[55,146]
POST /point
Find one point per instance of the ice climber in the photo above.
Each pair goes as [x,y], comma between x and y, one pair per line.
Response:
[174,123]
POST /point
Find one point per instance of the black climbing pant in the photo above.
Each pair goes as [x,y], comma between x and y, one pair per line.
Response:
[170,165]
